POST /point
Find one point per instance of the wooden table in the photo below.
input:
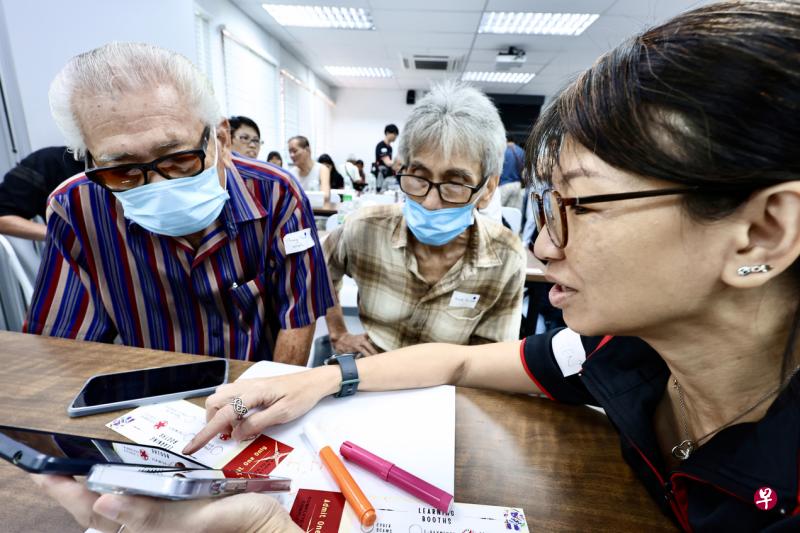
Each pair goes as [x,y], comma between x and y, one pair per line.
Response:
[560,463]
[325,210]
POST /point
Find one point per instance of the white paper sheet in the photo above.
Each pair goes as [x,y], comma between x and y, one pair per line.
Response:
[414,429]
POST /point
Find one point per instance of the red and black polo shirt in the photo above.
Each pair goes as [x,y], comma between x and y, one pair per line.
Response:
[717,488]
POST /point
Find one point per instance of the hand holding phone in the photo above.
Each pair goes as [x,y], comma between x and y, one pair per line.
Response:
[179,484]
[44,452]
[120,390]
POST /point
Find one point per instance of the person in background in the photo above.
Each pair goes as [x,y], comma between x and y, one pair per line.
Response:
[511,177]
[384,165]
[431,270]
[25,188]
[245,136]
[275,158]
[337,180]
[313,176]
[358,178]
[168,240]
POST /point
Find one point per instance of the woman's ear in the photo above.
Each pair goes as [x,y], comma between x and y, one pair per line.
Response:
[491,186]
[768,227]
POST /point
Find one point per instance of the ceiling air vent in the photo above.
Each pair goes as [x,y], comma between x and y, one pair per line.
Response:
[430,62]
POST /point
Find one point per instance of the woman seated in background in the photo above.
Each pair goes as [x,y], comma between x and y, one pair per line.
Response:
[337,180]
[667,193]
[245,136]
[275,158]
[313,176]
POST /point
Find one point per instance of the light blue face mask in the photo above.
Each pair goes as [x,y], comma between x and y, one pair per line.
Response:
[176,207]
[437,227]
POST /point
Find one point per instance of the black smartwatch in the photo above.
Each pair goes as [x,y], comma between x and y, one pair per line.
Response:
[347,364]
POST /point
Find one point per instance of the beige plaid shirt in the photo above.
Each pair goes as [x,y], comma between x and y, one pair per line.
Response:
[399,308]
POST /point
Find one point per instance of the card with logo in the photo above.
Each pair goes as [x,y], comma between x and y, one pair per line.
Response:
[172,425]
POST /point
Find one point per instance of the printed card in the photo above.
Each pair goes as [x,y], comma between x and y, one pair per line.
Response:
[172,425]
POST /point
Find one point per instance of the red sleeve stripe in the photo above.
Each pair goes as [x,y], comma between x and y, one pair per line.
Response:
[528,370]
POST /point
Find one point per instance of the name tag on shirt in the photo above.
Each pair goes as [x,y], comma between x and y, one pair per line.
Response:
[568,351]
[298,241]
[464,299]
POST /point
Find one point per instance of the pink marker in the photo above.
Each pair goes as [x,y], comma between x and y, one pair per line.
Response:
[397,476]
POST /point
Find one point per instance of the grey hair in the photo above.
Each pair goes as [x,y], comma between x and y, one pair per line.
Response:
[126,67]
[456,119]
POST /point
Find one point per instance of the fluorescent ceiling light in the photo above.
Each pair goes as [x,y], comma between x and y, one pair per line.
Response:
[499,77]
[535,23]
[360,72]
[342,18]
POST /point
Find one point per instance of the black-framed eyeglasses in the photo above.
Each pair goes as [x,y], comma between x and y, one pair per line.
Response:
[450,192]
[118,178]
[246,139]
[550,208]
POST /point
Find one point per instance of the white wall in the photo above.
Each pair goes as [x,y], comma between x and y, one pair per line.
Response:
[359,118]
[45,34]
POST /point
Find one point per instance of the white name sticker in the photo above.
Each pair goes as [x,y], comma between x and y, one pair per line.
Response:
[568,351]
[464,299]
[298,241]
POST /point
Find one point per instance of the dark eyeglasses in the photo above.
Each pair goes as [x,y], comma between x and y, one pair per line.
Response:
[551,207]
[246,139]
[452,193]
[125,177]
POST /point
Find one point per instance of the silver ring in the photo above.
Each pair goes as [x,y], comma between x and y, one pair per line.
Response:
[238,407]
[121,528]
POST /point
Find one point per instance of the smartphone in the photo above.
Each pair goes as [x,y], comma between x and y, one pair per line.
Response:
[110,392]
[180,484]
[45,452]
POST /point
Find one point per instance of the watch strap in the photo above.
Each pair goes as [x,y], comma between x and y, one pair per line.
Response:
[350,380]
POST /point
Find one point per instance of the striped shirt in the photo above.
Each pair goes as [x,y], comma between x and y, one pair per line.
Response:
[103,275]
[478,300]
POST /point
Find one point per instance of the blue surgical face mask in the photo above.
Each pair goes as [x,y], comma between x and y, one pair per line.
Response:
[176,207]
[437,227]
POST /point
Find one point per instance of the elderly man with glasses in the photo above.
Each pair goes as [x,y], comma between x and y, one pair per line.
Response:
[434,270]
[168,240]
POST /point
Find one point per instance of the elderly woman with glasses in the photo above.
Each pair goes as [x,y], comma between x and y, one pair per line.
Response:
[432,269]
[667,192]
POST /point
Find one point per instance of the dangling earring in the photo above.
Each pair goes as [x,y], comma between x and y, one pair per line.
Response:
[755,269]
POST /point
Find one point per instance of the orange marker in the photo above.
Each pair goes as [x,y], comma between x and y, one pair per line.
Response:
[352,492]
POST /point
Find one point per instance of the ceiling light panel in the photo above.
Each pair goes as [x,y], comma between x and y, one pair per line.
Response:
[341,18]
[529,23]
[499,77]
[360,72]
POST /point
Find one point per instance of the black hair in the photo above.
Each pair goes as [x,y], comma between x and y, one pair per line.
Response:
[391,128]
[274,154]
[710,98]
[238,121]
[301,140]
[337,180]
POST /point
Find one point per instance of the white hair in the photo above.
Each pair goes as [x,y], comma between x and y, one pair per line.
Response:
[120,67]
[456,119]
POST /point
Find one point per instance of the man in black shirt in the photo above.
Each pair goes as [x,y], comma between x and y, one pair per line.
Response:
[383,155]
[25,188]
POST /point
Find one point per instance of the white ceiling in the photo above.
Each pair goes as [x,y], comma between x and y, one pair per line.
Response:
[449,27]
